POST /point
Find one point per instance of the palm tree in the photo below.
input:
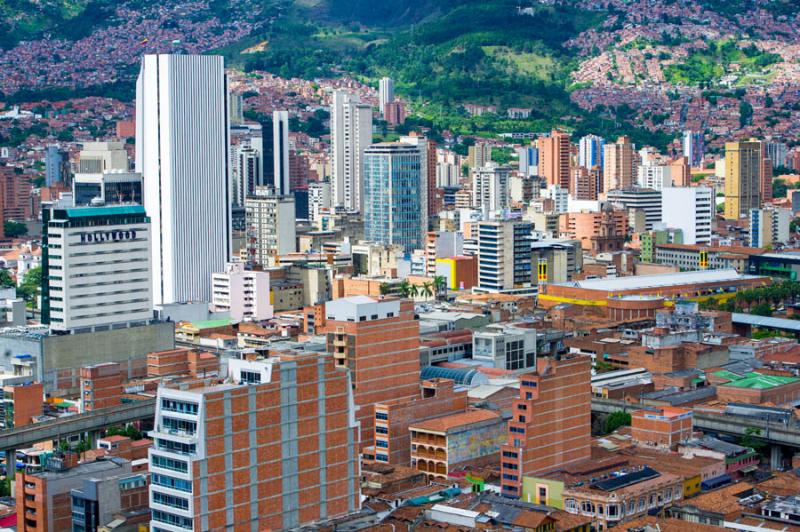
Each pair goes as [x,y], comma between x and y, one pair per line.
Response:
[404,289]
[413,290]
[440,283]
[427,290]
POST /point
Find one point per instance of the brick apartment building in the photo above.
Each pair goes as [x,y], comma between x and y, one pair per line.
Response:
[665,428]
[182,361]
[378,340]
[551,421]
[392,418]
[101,386]
[20,404]
[274,448]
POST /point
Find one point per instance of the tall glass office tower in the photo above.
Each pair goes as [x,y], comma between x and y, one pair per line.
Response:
[393,195]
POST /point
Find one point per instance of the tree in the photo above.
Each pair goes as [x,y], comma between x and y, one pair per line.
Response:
[6,279]
[750,439]
[404,288]
[440,283]
[384,288]
[14,229]
[761,309]
[616,420]
[30,286]
[426,290]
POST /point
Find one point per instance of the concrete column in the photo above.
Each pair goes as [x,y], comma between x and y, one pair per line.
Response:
[11,471]
[775,457]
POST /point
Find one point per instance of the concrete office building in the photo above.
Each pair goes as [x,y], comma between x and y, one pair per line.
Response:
[56,165]
[271,228]
[654,176]
[504,256]
[379,341]
[394,213]
[96,270]
[490,188]
[351,134]
[319,199]
[743,166]
[551,421]
[71,496]
[689,209]
[248,173]
[385,94]
[182,140]
[590,151]
[528,157]
[280,152]
[104,175]
[769,226]
[619,164]
[554,159]
[273,448]
[506,347]
[777,152]
[642,199]
[693,148]
[479,155]
[244,294]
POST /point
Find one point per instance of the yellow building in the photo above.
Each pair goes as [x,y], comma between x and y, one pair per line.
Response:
[742,178]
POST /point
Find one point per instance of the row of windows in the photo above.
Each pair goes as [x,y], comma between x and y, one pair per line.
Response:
[170,500]
[169,463]
[172,405]
[171,482]
[171,519]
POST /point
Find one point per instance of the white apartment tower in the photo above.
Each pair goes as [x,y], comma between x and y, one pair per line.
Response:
[351,134]
[689,209]
[385,93]
[280,150]
[182,139]
[490,188]
[270,221]
[242,293]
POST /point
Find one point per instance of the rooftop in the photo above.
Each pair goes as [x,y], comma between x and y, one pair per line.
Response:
[753,380]
[661,280]
[448,423]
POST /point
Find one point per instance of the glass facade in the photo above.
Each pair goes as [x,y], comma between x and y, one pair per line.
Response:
[393,195]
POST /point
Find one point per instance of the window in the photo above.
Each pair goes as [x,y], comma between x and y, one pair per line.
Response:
[176,447]
[542,495]
[509,465]
[168,463]
[509,454]
[380,429]
[382,416]
[171,519]
[508,476]
[250,377]
[518,430]
[171,482]
[171,405]
[178,426]
[170,500]
[381,457]
[382,443]
[521,419]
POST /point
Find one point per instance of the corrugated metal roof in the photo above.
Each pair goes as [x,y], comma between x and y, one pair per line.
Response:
[634,282]
[764,321]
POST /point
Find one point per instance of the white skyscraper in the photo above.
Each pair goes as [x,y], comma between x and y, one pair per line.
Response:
[280,150]
[689,209]
[490,188]
[385,93]
[590,151]
[351,134]
[182,153]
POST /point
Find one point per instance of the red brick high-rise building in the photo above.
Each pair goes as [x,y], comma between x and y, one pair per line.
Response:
[273,448]
[16,191]
[101,386]
[379,341]
[551,421]
[554,159]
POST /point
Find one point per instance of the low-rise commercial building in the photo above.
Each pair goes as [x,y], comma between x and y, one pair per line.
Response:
[440,445]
